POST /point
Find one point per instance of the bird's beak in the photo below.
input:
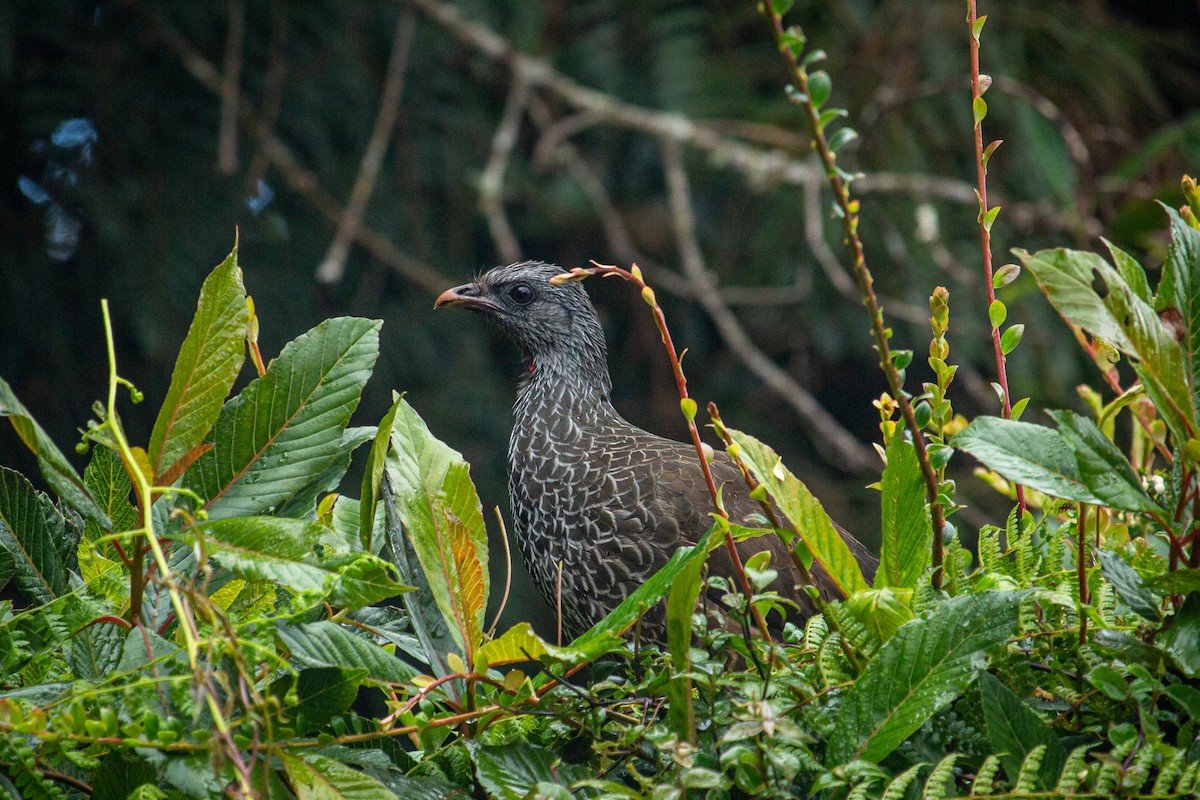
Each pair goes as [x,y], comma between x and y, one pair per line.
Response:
[467,296]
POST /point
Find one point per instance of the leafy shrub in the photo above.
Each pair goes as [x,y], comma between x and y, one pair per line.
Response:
[206,614]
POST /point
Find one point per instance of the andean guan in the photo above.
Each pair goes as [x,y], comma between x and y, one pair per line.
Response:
[606,499]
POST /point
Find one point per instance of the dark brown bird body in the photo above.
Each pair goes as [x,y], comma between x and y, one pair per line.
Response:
[603,500]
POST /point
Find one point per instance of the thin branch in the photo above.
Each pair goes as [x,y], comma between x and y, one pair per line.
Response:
[333,266]
[880,332]
[761,166]
[491,182]
[227,137]
[985,227]
[839,444]
[298,177]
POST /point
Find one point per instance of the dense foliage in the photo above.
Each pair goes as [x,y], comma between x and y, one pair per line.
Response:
[210,610]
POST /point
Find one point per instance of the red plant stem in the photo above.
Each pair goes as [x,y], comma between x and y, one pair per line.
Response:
[660,321]
[1081,566]
[866,282]
[985,235]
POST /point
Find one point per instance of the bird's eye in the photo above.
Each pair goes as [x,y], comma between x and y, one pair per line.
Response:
[521,294]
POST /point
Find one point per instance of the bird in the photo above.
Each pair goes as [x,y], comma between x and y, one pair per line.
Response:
[598,504]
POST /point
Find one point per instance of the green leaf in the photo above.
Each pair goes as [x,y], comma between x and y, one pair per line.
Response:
[373,475]
[1182,639]
[285,428]
[829,115]
[681,605]
[978,110]
[1032,455]
[108,482]
[781,7]
[989,218]
[59,473]
[443,520]
[1129,585]
[518,643]
[511,771]
[323,693]
[1018,408]
[882,610]
[285,551]
[1004,276]
[207,365]
[997,313]
[819,87]
[977,28]
[27,536]
[1125,321]
[1179,289]
[989,150]
[302,504]
[1014,730]
[1011,338]
[907,531]
[922,669]
[327,644]
[1130,271]
[804,511]
[1102,467]
[841,137]
[1109,680]
[317,777]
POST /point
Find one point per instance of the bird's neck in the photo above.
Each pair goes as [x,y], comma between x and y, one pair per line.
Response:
[573,381]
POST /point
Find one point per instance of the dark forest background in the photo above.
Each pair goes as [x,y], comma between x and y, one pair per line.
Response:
[370,154]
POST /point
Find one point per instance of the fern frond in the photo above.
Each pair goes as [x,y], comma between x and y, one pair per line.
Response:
[1028,778]
[940,782]
[1170,772]
[985,778]
[1074,771]
[831,662]
[897,789]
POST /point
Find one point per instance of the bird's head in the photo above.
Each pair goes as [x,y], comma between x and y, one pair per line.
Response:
[554,324]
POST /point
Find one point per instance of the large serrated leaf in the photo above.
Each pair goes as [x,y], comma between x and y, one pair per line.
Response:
[1179,288]
[58,472]
[209,361]
[284,428]
[109,484]
[922,669]
[25,534]
[282,551]
[327,644]
[1103,468]
[443,520]
[1129,585]
[511,771]
[1014,730]
[1124,320]
[320,778]
[907,532]
[1032,455]
[804,511]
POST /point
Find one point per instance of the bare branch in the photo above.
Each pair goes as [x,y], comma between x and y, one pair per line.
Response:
[299,178]
[829,435]
[491,182]
[334,264]
[227,137]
